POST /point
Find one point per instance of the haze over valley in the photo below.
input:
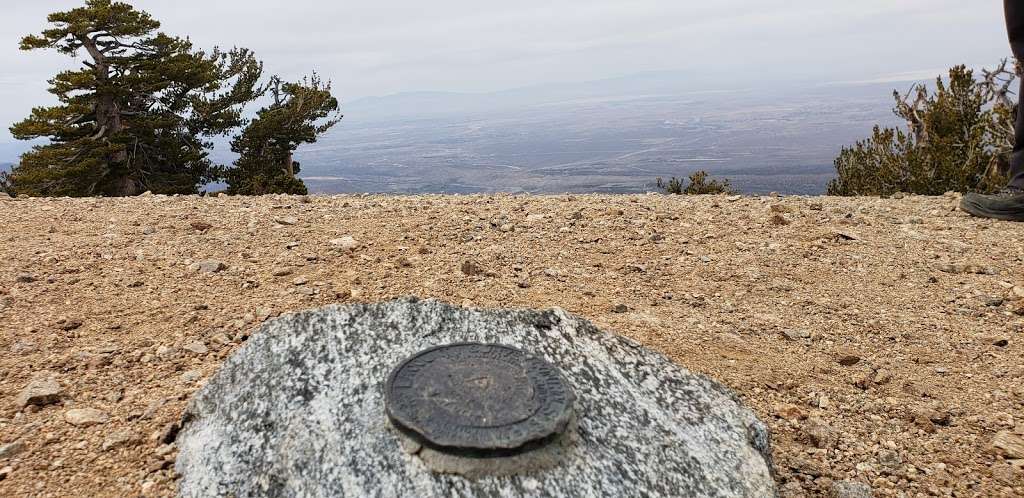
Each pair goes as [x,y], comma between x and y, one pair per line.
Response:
[608,136]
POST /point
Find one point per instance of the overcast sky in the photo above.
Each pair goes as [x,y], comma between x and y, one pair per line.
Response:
[380,47]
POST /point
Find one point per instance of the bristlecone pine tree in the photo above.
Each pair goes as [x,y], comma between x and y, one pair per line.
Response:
[300,112]
[138,116]
[700,184]
[957,140]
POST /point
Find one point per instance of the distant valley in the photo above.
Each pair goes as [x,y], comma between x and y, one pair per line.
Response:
[782,139]
[611,136]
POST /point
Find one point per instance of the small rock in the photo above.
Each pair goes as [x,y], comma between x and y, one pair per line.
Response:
[191,376]
[848,360]
[1017,291]
[300,281]
[781,209]
[620,308]
[117,440]
[346,243]
[69,325]
[196,347]
[850,489]
[840,235]
[927,419]
[200,226]
[820,434]
[208,266]
[114,396]
[890,460]
[6,471]
[796,335]
[165,351]
[10,449]
[85,417]
[152,408]
[1018,308]
[957,269]
[992,301]
[39,392]
[1008,444]
[806,467]
[865,381]
[170,432]
[25,278]
[635,268]
[165,449]
[281,272]
[471,268]
[262,314]
[790,412]
[287,220]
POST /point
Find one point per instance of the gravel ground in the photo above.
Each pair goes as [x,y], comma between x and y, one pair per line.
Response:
[882,340]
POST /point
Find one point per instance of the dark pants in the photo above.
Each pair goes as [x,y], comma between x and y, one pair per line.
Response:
[1015,26]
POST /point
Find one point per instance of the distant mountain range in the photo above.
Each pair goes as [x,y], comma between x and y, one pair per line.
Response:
[614,135]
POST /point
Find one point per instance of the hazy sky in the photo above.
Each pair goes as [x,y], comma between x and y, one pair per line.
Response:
[386,46]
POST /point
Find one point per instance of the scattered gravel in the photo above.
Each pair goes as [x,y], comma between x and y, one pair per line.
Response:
[934,406]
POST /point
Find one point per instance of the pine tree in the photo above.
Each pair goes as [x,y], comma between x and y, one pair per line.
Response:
[300,112]
[138,116]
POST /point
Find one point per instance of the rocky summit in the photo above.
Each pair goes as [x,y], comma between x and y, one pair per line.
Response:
[878,339]
[299,411]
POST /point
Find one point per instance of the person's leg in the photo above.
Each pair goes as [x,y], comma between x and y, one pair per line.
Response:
[1009,203]
[1017,156]
[1015,28]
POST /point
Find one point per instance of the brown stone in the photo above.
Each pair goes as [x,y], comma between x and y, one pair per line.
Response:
[790,412]
[1008,444]
[40,391]
[85,417]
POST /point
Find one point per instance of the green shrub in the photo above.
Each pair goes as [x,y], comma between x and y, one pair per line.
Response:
[699,183]
[957,139]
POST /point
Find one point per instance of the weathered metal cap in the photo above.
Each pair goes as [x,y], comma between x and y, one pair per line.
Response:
[478,399]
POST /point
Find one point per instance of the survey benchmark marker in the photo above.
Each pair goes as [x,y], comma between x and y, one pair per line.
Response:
[482,400]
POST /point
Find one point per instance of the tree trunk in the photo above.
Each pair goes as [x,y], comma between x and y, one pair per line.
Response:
[108,118]
[289,165]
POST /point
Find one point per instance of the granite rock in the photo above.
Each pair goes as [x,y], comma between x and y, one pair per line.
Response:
[299,411]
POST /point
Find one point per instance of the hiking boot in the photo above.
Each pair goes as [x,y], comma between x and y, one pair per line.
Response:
[1007,204]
